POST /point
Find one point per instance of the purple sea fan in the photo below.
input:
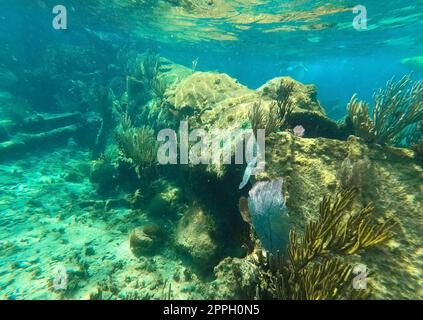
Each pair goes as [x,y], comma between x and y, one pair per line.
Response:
[269,214]
[299,131]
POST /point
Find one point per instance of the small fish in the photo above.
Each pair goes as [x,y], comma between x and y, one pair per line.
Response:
[297,68]
[414,63]
[314,39]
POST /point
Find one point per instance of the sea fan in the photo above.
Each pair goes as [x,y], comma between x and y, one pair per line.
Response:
[269,214]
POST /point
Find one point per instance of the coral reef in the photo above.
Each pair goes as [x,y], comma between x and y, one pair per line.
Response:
[212,101]
[310,168]
[138,146]
[312,271]
[396,107]
[157,232]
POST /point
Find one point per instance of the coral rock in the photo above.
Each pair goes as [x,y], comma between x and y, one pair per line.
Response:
[194,236]
[145,240]
[304,96]
[392,181]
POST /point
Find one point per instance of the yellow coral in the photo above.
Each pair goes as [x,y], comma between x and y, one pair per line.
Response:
[313,270]
[138,146]
[358,112]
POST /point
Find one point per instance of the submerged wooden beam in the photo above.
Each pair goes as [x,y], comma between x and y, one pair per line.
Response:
[24,142]
[41,132]
[42,123]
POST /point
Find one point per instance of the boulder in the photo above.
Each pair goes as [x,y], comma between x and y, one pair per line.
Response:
[194,236]
[146,240]
[215,100]
[235,279]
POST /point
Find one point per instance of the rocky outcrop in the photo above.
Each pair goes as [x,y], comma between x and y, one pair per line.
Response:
[194,236]
[391,178]
[215,100]
[304,97]
[235,278]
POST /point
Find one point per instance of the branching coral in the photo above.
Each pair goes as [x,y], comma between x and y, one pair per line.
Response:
[150,75]
[126,122]
[150,66]
[158,87]
[396,107]
[283,104]
[260,120]
[145,83]
[102,101]
[358,112]
[322,281]
[313,269]
[257,117]
[279,111]
[138,146]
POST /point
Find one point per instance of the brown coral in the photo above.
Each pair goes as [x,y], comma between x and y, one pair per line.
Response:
[358,112]
[313,269]
[138,146]
[396,107]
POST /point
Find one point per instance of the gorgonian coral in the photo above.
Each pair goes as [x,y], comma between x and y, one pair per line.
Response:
[313,269]
[137,146]
[396,107]
[268,213]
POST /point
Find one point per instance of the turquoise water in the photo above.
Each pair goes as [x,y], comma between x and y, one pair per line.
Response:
[88,211]
[312,41]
